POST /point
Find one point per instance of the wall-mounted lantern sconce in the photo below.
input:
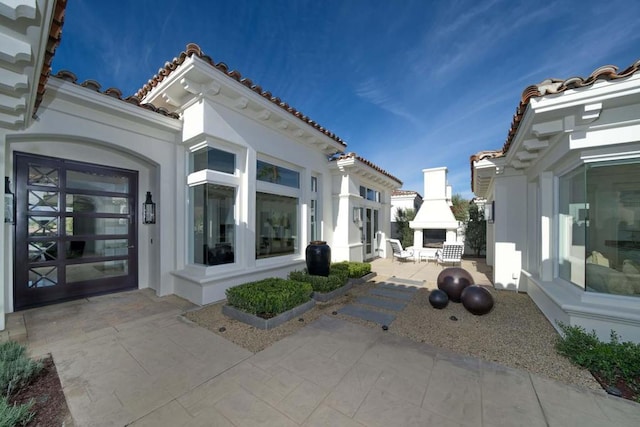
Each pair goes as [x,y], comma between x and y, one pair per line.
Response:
[490,212]
[357,216]
[9,202]
[149,210]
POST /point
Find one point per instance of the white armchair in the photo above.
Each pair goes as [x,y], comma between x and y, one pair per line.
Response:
[399,252]
[451,253]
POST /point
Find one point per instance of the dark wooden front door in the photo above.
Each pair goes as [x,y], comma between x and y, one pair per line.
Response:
[76,230]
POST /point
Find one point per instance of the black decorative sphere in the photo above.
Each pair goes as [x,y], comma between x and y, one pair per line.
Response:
[477,300]
[438,299]
[453,280]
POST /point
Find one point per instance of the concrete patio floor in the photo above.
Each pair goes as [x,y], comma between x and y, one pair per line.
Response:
[130,359]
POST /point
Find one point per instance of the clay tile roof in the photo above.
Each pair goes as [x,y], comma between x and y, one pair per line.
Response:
[113,92]
[404,193]
[55,35]
[491,154]
[549,87]
[554,86]
[194,49]
[345,156]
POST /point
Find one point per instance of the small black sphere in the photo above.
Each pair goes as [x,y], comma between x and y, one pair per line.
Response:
[222,329]
[301,320]
[477,300]
[334,312]
[454,318]
[438,299]
[385,327]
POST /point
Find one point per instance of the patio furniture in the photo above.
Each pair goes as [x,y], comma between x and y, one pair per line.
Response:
[399,252]
[427,254]
[451,253]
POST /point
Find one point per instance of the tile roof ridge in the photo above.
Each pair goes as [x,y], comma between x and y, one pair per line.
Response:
[193,49]
[53,41]
[555,86]
[549,87]
[352,155]
[401,192]
[113,92]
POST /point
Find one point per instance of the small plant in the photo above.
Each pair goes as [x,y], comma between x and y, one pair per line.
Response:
[612,361]
[269,297]
[15,415]
[16,369]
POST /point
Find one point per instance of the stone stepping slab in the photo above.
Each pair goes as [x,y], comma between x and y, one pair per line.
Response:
[366,314]
[410,289]
[407,281]
[382,303]
[392,293]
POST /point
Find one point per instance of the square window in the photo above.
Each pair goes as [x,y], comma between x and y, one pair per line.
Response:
[212,159]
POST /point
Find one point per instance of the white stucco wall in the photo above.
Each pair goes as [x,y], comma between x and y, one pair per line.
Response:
[509,231]
[558,134]
[77,124]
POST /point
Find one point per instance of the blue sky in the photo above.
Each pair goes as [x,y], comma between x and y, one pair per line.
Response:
[407,84]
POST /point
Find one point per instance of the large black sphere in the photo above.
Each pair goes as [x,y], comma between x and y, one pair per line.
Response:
[438,299]
[477,300]
[453,280]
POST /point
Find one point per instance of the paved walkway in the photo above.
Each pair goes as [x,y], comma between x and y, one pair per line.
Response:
[154,369]
[383,301]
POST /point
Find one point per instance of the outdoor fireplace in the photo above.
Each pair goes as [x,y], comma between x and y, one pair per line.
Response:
[434,222]
[433,237]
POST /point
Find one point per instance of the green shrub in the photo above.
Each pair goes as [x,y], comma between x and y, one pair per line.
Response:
[610,360]
[335,280]
[354,269]
[269,297]
[15,415]
[16,369]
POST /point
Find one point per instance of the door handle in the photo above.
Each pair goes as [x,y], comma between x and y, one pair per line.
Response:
[131,247]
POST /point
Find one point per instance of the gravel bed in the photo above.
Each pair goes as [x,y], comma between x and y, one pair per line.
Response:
[515,333]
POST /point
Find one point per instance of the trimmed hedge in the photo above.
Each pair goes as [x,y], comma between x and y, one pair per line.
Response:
[321,284]
[269,297]
[355,269]
[339,273]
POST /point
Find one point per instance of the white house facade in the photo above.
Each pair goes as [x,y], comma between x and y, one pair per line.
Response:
[565,192]
[240,180]
[405,200]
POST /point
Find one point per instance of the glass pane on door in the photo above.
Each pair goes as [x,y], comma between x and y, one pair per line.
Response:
[90,180]
[96,270]
[43,201]
[82,203]
[43,176]
[41,226]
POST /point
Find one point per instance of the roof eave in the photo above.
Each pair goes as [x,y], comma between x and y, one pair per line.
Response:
[195,79]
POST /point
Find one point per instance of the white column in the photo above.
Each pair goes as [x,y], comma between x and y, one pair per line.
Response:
[510,230]
[546,226]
